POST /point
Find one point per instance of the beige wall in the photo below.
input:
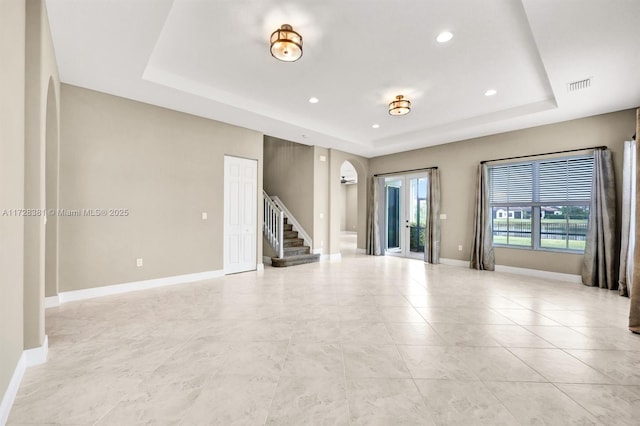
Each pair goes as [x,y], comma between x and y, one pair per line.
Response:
[343,210]
[165,167]
[288,174]
[351,206]
[349,210]
[458,164]
[321,199]
[12,80]
[41,81]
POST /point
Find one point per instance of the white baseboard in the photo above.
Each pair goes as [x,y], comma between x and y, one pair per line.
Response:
[330,257]
[109,290]
[318,251]
[266,260]
[37,356]
[51,302]
[28,358]
[260,267]
[12,390]
[521,271]
[540,274]
[454,262]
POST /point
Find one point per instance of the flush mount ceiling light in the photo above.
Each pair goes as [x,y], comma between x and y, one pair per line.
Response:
[286,44]
[375,126]
[400,106]
[314,100]
[490,92]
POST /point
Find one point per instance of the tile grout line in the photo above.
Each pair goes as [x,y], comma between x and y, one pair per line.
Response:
[346,386]
[275,389]
[578,403]
[415,385]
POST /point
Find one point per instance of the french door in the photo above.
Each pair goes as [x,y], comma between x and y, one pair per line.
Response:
[406,215]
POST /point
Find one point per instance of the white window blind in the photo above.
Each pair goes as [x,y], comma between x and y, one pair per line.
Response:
[565,180]
[511,183]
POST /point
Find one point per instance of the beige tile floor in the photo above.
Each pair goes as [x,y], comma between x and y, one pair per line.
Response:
[368,340]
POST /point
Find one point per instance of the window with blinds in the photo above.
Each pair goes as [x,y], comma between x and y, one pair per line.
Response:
[542,204]
[511,183]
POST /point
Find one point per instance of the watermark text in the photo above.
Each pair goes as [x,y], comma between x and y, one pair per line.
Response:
[65,212]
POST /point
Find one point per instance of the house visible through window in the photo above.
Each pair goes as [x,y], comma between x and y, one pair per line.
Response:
[542,204]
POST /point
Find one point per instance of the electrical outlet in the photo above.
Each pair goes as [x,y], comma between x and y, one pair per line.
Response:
[204,216]
[139,262]
[460,247]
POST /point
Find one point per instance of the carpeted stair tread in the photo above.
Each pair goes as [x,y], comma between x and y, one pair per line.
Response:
[294,260]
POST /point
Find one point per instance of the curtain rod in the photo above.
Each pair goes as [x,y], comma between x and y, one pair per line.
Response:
[406,171]
[546,153]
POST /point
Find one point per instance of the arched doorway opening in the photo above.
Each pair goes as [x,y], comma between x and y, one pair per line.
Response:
[348,208]
[51,198]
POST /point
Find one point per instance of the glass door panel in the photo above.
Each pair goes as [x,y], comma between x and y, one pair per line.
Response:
[393,216]
[417,215]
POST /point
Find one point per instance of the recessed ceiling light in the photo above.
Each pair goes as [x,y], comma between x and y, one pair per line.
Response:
[490,92]
[444,37]
[314,100]
[375,126]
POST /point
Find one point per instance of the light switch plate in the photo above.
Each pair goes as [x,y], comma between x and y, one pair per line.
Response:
[204,216]
[443,216]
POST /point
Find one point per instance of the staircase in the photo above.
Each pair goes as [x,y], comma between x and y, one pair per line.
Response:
[295,252]
[283,239]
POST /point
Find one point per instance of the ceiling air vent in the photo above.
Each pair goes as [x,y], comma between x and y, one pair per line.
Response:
[579,85]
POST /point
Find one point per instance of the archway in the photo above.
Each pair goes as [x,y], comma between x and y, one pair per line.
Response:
[348,208]
[52,151]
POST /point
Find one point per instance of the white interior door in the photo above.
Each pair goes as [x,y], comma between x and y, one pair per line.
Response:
[240,214]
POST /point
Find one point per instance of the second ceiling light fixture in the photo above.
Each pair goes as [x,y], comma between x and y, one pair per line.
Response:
[286,45]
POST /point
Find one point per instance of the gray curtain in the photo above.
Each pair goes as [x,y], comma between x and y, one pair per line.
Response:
[374,247]
[432,230]
[482,256]
[627,235]
[634,285]
[600,268]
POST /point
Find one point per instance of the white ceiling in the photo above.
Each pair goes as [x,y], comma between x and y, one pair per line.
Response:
[211,58]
